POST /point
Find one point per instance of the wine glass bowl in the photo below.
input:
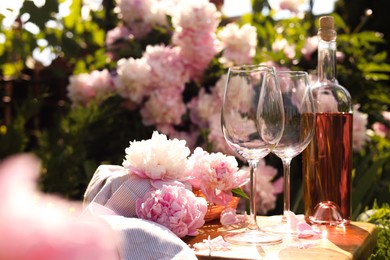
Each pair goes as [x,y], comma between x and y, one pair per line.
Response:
[252,120]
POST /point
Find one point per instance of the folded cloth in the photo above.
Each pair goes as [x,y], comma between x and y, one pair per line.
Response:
[111,195]
[113,187]
[143,239]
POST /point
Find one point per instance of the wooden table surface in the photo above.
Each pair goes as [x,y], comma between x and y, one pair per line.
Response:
[355,241]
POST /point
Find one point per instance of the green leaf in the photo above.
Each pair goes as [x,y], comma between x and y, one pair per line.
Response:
[238,192]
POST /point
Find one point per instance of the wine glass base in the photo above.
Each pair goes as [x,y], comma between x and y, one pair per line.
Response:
[252,237]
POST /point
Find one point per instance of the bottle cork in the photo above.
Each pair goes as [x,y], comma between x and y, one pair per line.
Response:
[327,31]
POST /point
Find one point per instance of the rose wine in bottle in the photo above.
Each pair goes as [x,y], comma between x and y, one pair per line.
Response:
[327,161]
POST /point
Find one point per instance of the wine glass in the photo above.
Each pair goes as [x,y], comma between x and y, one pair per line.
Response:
[298,132]
[252,124]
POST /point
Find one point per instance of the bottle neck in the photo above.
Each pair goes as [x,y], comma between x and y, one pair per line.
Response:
[326,61]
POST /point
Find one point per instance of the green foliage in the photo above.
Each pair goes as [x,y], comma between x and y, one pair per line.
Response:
[380,216]
[84,139]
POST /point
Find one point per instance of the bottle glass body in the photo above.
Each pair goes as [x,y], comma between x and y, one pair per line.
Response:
[327,161]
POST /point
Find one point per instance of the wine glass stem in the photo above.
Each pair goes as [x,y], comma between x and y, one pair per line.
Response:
[252,203]
[286,178]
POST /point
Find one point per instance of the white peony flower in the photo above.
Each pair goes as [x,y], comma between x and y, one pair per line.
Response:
[158,158]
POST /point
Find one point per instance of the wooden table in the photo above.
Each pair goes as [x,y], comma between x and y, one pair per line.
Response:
[355,241]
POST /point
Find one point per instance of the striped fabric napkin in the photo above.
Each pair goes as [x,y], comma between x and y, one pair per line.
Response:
[112,195]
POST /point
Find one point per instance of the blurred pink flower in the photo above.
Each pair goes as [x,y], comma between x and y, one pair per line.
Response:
[195,24]
[239,44]
[163,59]
[198,15]
[141,16]
[202,107]
[359,128]
[380,129]
[175,208]
[285,46]
[85,87]
[133,79]
[197,49]
[311,45]
[216,175]
[38,226]
[118,33]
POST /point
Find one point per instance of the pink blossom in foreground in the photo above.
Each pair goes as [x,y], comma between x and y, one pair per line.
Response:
[230,217]
[158,158]
[298,223]
[215,244]
[359,128]
[175,208]
[216,175]
[85,87]
[38,226]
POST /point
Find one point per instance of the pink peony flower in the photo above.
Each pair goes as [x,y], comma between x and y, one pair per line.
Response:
[197,49]
[164,107]
[158,158]
[202,107]
[163,59]
[229,217]
[133,79]
[38,226]
[216,175]
[198,15]
[175,208]
[85,87]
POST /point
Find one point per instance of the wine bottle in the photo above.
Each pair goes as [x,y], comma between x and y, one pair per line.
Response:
[327,161]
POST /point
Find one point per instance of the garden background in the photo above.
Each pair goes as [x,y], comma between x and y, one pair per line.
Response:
[73,136]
